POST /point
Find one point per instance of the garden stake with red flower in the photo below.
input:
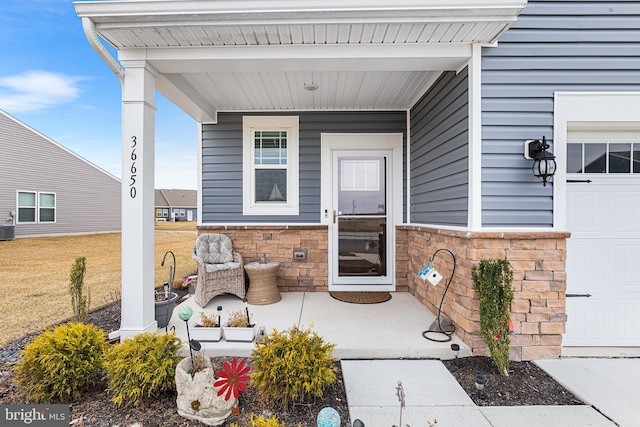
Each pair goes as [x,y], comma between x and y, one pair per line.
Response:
[232,379]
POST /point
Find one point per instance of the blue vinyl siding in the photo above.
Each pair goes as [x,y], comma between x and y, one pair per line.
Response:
[581,46]
[439,153]
[222,161]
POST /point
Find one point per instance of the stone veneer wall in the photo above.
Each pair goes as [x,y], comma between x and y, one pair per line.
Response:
[538,260]
[538,311]
[279,243]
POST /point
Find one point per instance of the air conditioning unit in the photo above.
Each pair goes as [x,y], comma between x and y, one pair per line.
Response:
[7,232]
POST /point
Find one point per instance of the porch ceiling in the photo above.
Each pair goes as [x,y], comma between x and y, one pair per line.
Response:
[246,55]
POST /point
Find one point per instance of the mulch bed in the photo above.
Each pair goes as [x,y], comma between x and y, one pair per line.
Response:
[526,385]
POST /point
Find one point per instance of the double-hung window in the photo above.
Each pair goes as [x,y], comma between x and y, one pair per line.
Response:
[270,165]
[36,207]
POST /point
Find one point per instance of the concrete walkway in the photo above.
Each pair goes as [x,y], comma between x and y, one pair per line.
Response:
[611,385]
[431,393]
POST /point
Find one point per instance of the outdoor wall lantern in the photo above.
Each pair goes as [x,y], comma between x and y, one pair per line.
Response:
[544,163]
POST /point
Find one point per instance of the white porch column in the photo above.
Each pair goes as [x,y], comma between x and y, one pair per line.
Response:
[138,142]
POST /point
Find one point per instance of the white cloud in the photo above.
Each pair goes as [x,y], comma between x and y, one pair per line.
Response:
[37,90]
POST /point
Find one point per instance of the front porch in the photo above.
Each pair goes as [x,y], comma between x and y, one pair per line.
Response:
[537,258]
[388,330]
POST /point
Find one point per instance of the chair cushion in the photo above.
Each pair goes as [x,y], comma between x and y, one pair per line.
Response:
[214,248]
[210,268]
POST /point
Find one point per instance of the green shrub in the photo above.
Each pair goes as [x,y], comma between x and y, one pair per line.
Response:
[261,421]
[79,300]
[292,366]
[141,367]
[60,363]
[492,281]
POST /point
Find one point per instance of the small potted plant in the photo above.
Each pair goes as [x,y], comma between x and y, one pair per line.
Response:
[239,326]
[164,301]
[208,327]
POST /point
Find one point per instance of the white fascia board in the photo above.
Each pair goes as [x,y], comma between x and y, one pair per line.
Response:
[275,11]
[304,58]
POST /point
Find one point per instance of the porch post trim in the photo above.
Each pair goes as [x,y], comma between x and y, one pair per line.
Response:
[138,141]
[475,139]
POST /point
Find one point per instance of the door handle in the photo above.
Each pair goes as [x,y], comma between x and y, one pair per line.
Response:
[335,215]
[578,295]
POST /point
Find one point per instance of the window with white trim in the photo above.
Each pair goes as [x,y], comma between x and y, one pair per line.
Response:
[270,165]
[36,207]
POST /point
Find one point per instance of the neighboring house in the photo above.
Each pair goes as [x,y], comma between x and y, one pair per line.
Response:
[176,205]
[370,134]
[46,189]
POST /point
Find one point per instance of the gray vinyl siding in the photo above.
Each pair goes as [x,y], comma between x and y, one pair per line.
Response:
[87,198]
[582,46]
[439,153]
[222,161]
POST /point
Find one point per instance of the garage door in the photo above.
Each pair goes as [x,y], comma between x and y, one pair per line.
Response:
[603,252]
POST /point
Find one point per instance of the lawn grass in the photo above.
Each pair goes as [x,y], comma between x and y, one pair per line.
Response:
[34,274]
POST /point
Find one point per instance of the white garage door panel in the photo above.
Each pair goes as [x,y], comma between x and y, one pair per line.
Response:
[627,267]
[583,218]
[586,321]
[627,315]
[627,212]
[603,259]
[585,255]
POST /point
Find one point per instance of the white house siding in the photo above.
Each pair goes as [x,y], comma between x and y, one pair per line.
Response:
[554,46]
[222,161]
[87,198]
[439,153]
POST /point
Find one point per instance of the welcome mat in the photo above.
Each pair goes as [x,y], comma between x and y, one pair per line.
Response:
[361,297]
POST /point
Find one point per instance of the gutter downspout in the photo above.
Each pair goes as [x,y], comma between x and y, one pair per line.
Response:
[90,33]
[92,36]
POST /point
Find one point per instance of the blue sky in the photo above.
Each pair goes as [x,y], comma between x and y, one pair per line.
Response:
[53,81]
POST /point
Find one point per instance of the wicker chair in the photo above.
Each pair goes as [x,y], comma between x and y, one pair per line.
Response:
[220,269]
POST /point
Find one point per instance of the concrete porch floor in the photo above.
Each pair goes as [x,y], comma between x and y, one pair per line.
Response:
[388,330]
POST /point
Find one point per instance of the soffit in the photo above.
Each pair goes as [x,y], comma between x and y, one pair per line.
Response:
[257,54]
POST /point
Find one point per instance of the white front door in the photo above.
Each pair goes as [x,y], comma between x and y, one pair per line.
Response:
[362,203]
[603,261]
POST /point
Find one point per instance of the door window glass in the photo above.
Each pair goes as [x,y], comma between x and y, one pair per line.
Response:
[595,158]
[619,158]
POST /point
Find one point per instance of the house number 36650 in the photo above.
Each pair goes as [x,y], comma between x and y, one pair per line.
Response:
[133,169]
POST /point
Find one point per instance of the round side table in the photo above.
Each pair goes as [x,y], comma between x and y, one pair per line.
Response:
[262,283]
